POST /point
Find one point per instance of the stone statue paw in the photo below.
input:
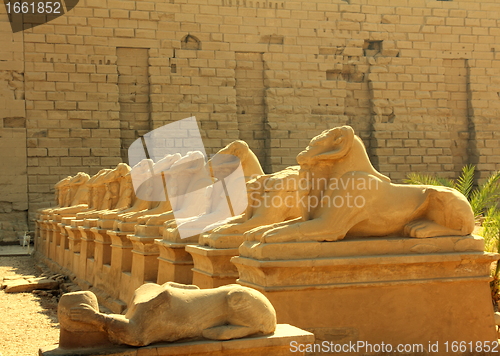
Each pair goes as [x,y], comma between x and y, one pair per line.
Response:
[280,234]
[226,229]
[423,228]
[256,233]
[83,313]
[170,224]
[158,220]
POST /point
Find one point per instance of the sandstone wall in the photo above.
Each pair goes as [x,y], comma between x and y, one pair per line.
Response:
[419,80]
[13,161]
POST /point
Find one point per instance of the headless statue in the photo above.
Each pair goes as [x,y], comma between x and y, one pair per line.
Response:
[166,313]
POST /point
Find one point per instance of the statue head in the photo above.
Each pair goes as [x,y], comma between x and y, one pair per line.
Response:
[79,179]
[236,148]
[330,145]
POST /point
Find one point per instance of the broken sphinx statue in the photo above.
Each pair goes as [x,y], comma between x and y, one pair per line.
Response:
[166,313]
[341,194]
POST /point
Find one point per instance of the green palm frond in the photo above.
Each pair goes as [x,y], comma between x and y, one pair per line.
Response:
[491,230]
[445,182]
[486,195]
[465,181]
[425,179]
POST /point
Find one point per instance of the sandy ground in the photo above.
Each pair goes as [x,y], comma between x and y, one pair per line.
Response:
[27,321]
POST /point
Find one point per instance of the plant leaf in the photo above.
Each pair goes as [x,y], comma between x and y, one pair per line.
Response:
[421,179]
[465,181]
[486,195]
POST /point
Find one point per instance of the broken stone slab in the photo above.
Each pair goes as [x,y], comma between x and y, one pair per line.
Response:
[277,344]
[23,285]
[12,278]
[7,279]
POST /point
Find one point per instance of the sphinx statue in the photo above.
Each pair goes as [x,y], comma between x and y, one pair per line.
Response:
[272,198]
[249,163]
[61,189]
[345,196]
[149,174]
[77,195]
[116,182]
[108,189]
[43,214]
[186,180]
[232,167]
[166,313]
[185,174]
[95,195]
[128,200]
[230,180]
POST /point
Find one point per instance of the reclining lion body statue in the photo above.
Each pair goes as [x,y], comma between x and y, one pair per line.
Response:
[166,313]
[346,196]
[272,198]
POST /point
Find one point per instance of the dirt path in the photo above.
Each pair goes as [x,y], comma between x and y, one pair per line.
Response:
[27,321]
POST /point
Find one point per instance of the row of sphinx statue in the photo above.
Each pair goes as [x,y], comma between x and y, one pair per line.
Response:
[333,193]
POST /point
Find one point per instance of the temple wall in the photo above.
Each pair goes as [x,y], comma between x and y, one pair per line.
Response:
[419,81]
[13,159]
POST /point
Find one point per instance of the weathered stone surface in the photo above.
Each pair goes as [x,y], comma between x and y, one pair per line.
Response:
[341,194]
[276,344]
[167,313]
[352,293]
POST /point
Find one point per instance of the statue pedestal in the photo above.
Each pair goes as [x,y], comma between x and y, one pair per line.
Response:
[277,344]
[60,247]
[53,237]
[38,232]
[43,239]
[66,255]
[393,290]
[102,258]
[212,266]
[126,226]
[121,265]
[75,242]
[174,263]
[144,265]
[86,268]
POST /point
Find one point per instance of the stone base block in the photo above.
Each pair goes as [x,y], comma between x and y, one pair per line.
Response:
[277,344]
[392,290]
[174,263]
[212,266]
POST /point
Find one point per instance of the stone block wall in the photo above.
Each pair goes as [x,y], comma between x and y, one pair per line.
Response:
[13,159]
[419,80]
